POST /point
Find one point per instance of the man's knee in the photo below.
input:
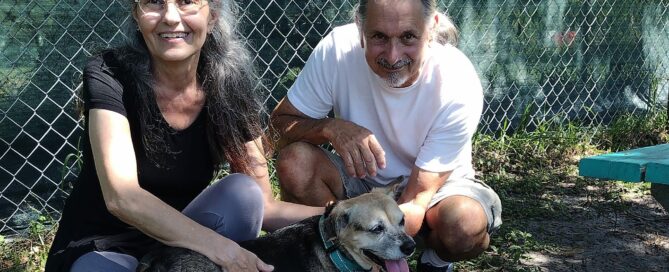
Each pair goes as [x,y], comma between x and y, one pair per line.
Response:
[461,226]
[307,175]
[295,164]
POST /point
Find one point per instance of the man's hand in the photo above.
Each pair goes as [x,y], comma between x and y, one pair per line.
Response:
[414,201]
[357,146]
[361,152]
[413,217]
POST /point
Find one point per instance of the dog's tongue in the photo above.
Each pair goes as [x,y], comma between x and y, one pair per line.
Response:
[400,265]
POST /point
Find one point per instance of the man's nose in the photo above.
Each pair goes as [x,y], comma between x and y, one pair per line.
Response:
[394,52]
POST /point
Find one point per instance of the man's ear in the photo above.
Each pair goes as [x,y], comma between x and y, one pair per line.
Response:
[359,25]
[434,27]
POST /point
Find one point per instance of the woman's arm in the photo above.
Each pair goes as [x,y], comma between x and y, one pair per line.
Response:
[277,213]
[116,166]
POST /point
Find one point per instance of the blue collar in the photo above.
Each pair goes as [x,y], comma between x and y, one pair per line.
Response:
[341,262]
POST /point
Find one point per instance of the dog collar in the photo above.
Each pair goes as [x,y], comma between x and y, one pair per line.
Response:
[341,262]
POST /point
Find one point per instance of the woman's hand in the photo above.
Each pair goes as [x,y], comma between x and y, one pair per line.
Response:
[231,257]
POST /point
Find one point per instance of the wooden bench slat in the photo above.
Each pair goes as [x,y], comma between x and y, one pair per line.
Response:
[658,172]
[607,169]
[630,165]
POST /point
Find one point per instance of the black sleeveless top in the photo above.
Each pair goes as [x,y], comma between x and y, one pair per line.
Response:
[86,224]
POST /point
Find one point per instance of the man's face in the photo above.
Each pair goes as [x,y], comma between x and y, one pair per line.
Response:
[395,38]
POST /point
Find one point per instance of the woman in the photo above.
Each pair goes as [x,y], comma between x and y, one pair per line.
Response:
[164,113]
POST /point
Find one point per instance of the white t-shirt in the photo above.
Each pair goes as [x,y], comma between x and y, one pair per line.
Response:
[428,124]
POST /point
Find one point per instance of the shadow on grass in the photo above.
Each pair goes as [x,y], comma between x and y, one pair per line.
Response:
[562,222]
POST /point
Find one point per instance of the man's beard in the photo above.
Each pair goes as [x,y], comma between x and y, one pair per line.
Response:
[398,78]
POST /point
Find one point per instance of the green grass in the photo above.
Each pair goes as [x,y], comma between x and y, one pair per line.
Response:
[522,167]
[635,130]
[27,252]
[526,168]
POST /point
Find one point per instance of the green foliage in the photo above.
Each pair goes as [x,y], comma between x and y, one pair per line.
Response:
[548,145]
[289,77]
[524,168]
[510,248]
[635,130]
[71,164]
[28,252]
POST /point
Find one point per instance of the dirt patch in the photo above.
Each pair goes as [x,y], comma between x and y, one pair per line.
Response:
[629,232]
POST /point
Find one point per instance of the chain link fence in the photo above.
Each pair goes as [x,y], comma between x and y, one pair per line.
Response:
[566,60]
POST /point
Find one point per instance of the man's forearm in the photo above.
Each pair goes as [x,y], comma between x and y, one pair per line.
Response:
[417,195]
[290,128]
[413,217]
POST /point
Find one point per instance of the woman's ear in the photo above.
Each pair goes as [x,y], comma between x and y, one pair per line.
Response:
[213,19]
[134,16]
[136,19]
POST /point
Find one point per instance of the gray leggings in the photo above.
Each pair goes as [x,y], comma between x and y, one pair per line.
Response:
[233,207]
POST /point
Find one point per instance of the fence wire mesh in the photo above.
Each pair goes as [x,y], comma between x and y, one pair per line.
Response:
[555,60]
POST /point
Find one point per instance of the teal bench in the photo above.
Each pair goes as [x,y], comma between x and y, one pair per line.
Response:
[646,164]
[649,164]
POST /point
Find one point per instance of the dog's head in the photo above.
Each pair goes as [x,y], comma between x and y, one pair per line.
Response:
[370,229]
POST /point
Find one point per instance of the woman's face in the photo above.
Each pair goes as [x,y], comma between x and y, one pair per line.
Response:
[174,30]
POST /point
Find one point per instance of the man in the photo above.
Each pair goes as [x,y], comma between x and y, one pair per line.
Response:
[405,106]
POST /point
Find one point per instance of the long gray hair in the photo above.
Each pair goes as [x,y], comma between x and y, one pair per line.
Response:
[225,72]
[445,33]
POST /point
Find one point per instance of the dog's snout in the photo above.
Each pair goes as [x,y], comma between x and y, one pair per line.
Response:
[408,247]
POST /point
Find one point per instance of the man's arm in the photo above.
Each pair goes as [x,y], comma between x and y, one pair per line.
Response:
[357,146]
[419,191]
[291,125]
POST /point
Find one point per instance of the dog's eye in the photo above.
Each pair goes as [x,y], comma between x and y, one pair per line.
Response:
[378,229]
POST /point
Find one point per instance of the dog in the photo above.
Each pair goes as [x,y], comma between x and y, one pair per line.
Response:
[357,234]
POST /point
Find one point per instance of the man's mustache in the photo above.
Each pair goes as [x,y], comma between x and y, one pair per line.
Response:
[399,64]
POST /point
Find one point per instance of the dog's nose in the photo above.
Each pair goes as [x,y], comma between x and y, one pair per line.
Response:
[408,247]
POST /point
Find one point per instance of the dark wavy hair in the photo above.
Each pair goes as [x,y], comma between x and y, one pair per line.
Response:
[445,33]
[227,76]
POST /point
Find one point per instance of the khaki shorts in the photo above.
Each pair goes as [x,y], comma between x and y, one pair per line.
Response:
[468,187]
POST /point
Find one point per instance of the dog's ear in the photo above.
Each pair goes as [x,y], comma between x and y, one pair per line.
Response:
[393,190]
[342,220]
[329,206]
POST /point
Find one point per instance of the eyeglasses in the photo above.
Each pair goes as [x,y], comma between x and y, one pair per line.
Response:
[185,7]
